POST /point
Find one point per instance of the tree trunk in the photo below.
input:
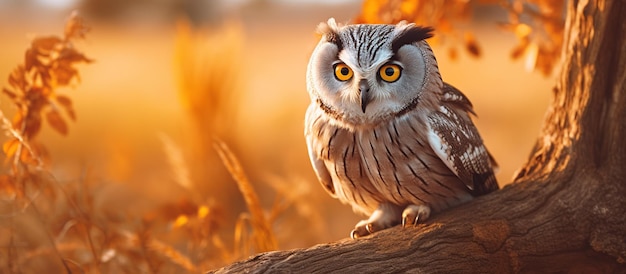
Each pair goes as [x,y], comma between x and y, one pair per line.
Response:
[565,212]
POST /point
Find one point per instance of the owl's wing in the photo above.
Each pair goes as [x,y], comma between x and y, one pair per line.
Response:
[455,139]
[320,169]
[312,128]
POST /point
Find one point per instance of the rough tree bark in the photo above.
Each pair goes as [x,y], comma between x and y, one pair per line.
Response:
[565,211]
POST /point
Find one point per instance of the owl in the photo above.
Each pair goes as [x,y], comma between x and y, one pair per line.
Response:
[384,133]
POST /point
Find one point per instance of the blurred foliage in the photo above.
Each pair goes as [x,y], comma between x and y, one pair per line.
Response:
[207,65]
[87,225]
[537,24]
[48,65]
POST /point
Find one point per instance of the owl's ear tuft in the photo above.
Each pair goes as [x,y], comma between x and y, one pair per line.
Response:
[410,35]
[330,30]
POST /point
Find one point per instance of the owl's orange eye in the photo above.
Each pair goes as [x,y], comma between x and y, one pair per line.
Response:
[343,72]
[390,72]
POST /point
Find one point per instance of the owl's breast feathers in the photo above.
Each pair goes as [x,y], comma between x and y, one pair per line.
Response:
[436,159]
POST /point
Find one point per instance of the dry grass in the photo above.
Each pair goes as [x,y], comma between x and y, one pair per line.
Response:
[263,238]
[56,226]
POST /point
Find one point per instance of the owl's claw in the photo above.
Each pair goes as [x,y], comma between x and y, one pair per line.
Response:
[359,231]
[385,216]
[363,228]
[413,214]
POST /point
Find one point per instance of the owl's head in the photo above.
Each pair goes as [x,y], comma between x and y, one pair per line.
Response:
[364,74]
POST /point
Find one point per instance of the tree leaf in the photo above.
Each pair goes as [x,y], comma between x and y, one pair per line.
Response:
[64,74]
[16,78]
[522,31]
[30,58]
[9,93]
[16,122]
[32,126]
[35,155]
[471,45]
[453,54]
[10,147]
[520,49]
[45,44]
[71,55]
[75,27]
[66,103]
[56,121]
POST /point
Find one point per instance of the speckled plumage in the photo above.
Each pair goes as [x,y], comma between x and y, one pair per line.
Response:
[394,150]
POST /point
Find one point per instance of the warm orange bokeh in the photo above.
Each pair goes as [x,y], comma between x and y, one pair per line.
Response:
[140,163]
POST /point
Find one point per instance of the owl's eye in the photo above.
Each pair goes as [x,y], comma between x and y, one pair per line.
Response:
[390,72]
[343,72]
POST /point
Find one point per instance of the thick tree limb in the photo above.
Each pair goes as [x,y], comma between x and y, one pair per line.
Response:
[566,211]
[512,230]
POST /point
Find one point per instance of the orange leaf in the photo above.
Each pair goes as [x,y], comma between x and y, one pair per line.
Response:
[75,27]
[16,122]
[71,55]
[30,59]
[471,45]
[9,93]
[453,54]
[16,78]
[44,45]
[203,211]
[66,103]
[519,50]
[181,220]
[10,147]
[38,154]
[57,122]
[32,125]
[522,31]
[64,74]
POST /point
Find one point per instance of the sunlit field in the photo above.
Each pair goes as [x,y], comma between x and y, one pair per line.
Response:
[138,185]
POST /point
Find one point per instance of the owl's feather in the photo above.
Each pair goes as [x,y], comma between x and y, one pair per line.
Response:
[319,167]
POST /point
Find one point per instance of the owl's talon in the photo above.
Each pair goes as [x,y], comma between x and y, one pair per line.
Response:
[385,216]
[413,214]
[353,234]
[360,230]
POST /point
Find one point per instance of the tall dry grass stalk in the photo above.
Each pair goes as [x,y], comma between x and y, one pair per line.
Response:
[207,65]
[262,235]
[177,162]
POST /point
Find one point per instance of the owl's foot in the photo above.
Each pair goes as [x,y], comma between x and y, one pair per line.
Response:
[385,216]
[413,214]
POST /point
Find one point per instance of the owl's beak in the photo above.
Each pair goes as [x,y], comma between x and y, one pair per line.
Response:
[364,89]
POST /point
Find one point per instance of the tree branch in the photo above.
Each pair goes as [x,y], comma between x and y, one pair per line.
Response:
[512,230]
